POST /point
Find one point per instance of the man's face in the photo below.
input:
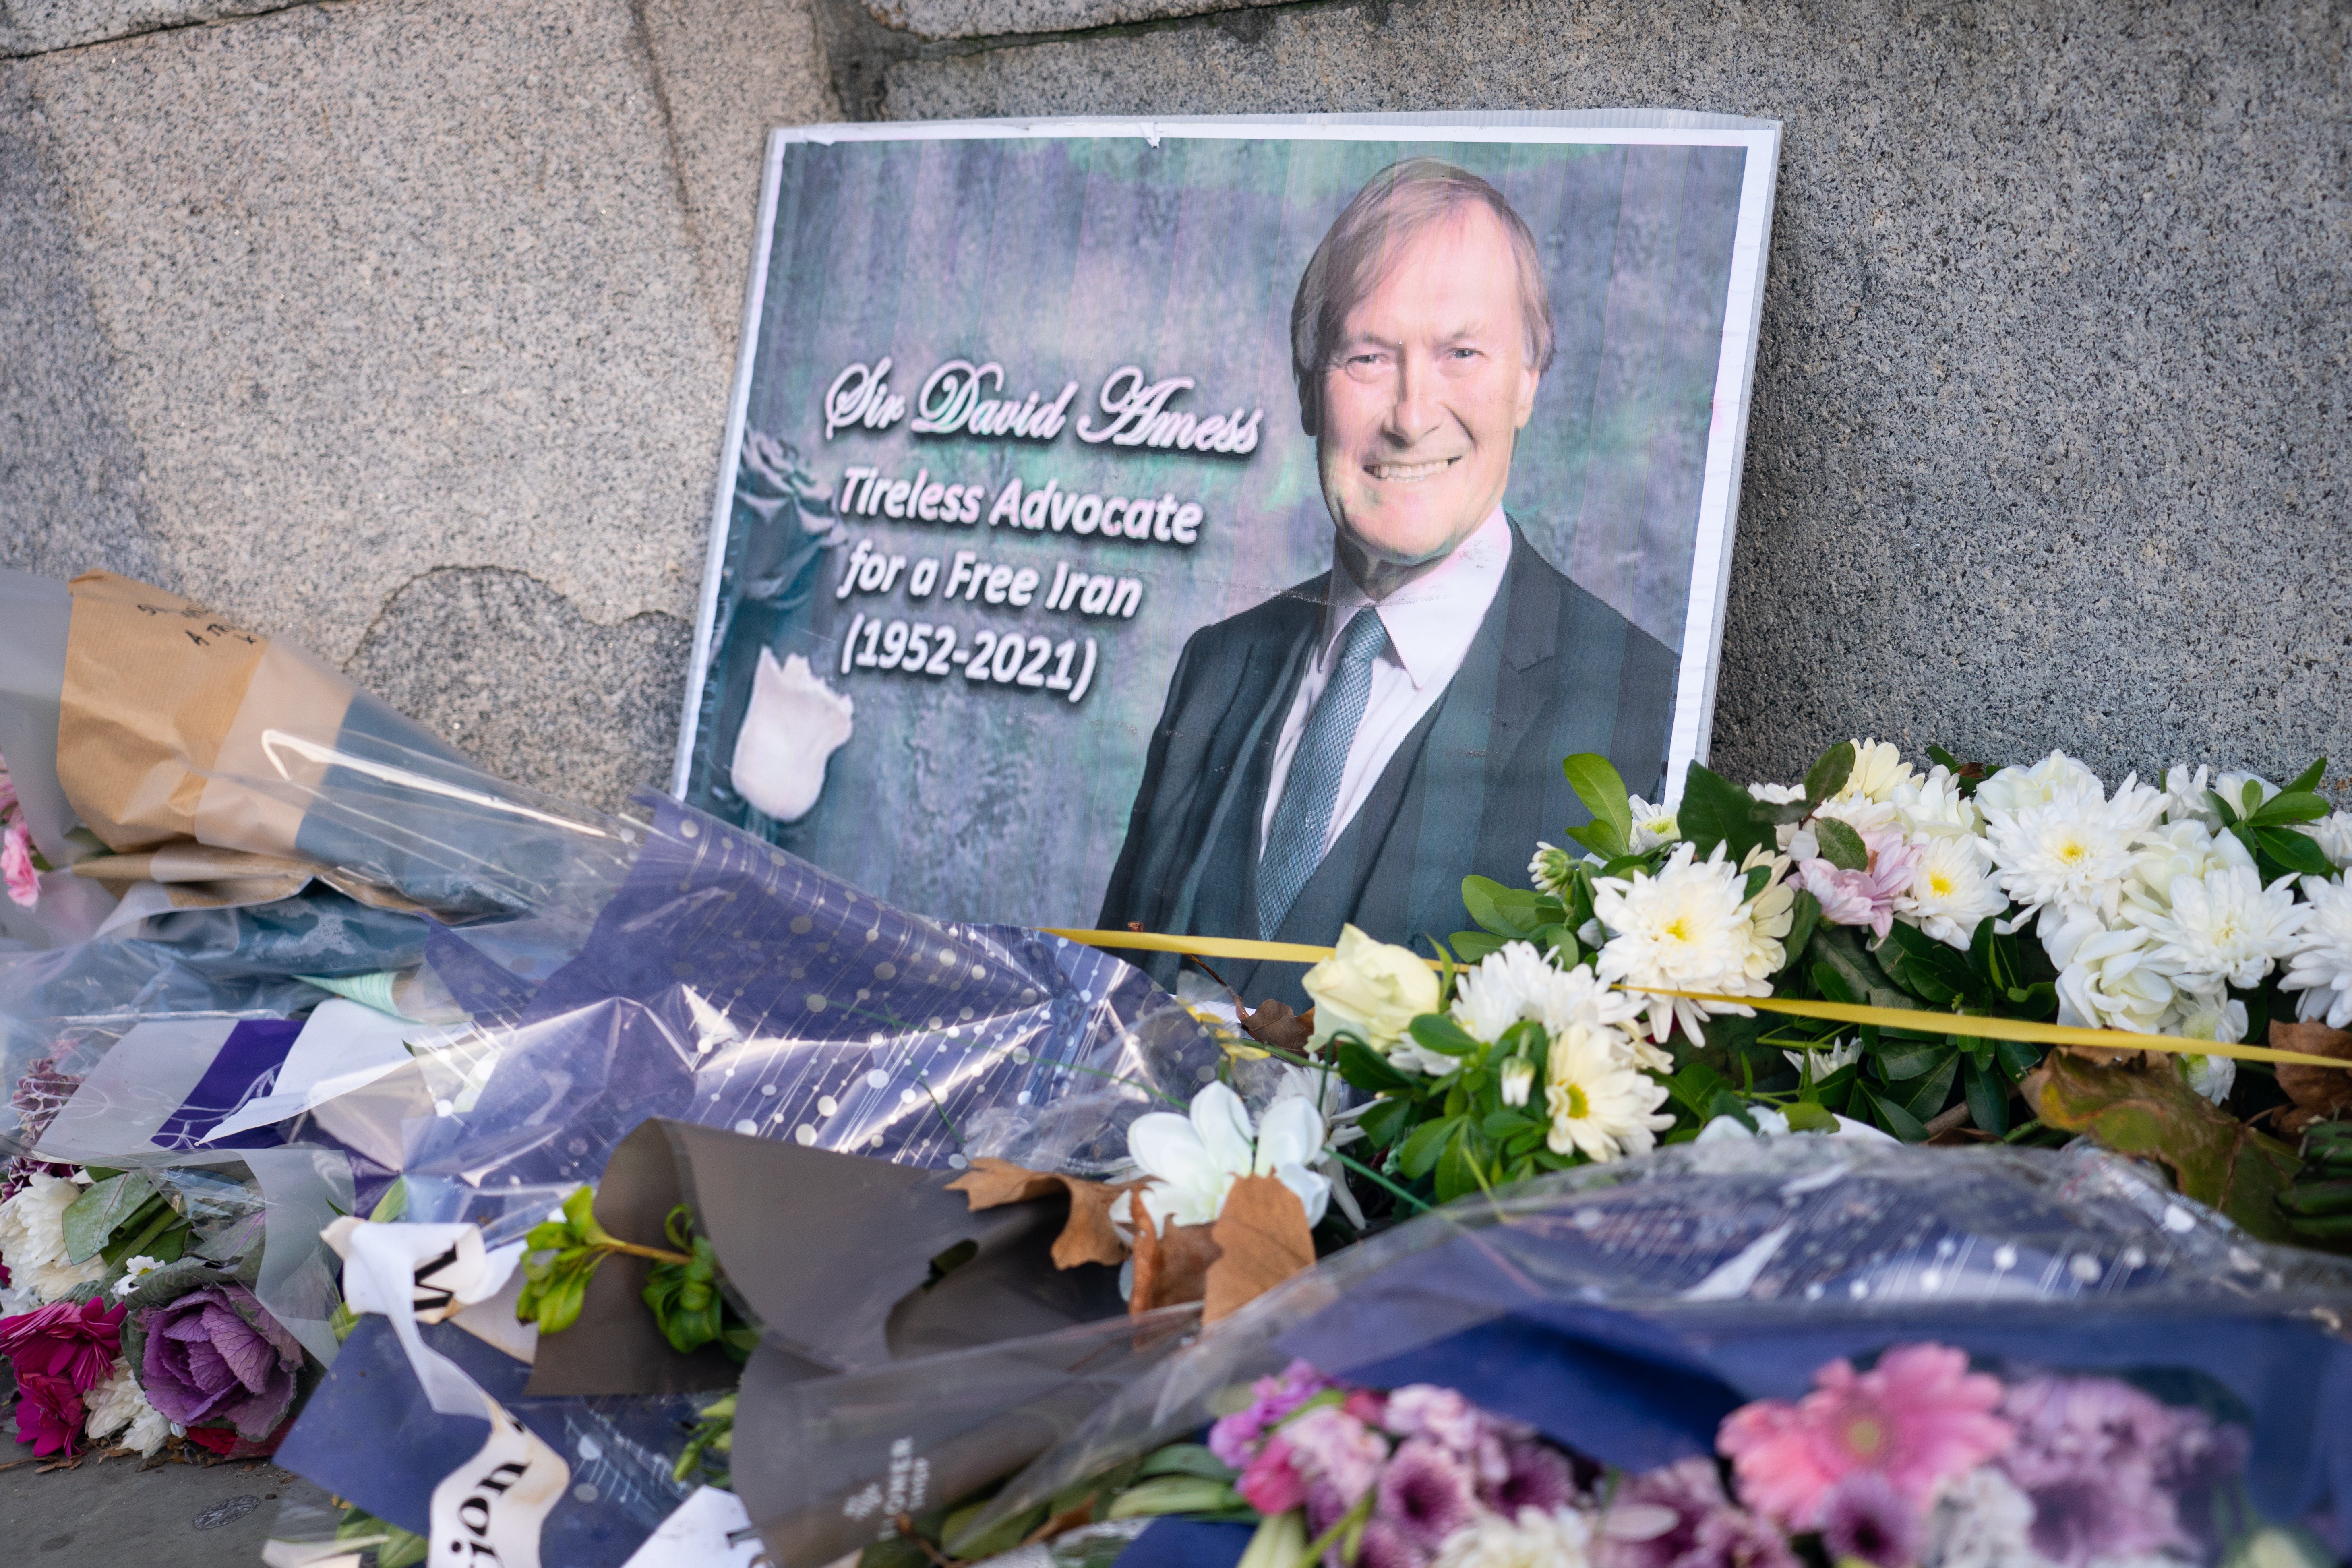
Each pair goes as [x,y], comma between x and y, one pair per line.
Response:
[1427,389]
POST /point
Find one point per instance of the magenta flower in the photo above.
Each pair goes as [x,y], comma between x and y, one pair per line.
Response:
[1734,1538]
[58,1353]
[1864,898]
[1384,1546]
[1534,1475]
[1272,1399]
[217,1356]
[1918,1418]
[1866,1520]
[16,865]
[1426,1493]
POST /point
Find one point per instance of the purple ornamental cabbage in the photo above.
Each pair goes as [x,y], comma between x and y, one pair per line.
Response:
[217,1356]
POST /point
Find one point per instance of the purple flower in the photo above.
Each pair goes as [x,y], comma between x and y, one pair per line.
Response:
[1425,1410]
[1867,1517]
[1534,1475]
[2094,1455]
[217,1356]
[1425,1492]
[1384,1546]
[1734,1538]
[1688,1488]
[1272,1398]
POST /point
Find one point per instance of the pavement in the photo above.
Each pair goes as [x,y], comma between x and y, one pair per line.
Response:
[112,1513]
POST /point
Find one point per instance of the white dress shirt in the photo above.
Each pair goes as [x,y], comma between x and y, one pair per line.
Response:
[1431,622]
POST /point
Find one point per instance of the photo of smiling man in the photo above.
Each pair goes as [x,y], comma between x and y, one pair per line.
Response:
[1347,750]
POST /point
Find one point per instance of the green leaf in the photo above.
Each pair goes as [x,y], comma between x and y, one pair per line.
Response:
[1840,845]
[1186,1459]
[1470,946]
[2301,806]
[1503,1123]
[1419,1151]
[1385,1122]
[2292,851]
[1987,1099]
[1716,811]
[1917,962]
[95,1215]
[1696,1085]
[1828,775]
[2150,1112]
[1806,1117]
[1364,1067]
[1840,950]
[1892,1117]
[1598,786]
[2229,814]
[2016,1058]
[1165,1494]
[1902,1060]
[1438,1032]
[1804,913]
[1457,1171]
[2308,780]
[1928,1098]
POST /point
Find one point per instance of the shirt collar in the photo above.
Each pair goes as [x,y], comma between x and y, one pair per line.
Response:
[1431,619]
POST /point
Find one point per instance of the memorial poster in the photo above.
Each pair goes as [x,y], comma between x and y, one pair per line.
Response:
[1223,526]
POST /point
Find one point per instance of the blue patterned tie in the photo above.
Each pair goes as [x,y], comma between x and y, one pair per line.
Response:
[1294,847]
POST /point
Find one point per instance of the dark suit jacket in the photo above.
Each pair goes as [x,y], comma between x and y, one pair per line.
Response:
[1552,671]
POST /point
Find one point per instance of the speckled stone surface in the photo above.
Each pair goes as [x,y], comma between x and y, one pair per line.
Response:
[38,26]
[2053,386]
[455,647]
[987,18]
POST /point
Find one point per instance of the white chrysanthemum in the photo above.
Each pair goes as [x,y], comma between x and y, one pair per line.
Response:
[1599,1102]
[1934,807]
[119,1404]
[1548,871]
[1951,888]
[2334,836]
[2169,853]
[1515,983]
[2070,854]
[32,1239]
[1686,929]
[2225,928]
[2107,979]
[1535,1540]
[1878,771]
[2011,790]
[2321,967]
[2185,798]
[1859,812]
[1652,825]
[1776,794]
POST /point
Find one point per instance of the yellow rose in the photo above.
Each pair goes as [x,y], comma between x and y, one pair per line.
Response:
[1371,990]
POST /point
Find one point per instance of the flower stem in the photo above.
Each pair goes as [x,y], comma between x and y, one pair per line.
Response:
[1369,1174]
[659,1255]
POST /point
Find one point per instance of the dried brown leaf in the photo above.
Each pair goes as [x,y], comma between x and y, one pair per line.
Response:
[2319,1092]
[1273,1024]
[1172,1265]
[1087,1237]
[1262,1238]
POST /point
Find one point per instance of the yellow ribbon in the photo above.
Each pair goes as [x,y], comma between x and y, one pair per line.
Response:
[1904,1018]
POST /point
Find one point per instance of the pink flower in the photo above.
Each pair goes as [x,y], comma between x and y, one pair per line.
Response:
[1329,1444]
[16,865]
[1918,1418]
[48,1413]
[1864,898]
[1272,1484]
[1425,1410]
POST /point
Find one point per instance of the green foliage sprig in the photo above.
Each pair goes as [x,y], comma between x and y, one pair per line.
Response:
[564,1254]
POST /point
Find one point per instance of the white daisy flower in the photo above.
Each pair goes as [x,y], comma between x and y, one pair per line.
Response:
[134,1269]
[1652,825]
[1951,888]
[33,1240]
[1687,929]
[119,1404]
[2322,967]
[1599,1102]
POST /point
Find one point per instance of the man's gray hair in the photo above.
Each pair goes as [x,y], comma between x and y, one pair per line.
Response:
[1395,205]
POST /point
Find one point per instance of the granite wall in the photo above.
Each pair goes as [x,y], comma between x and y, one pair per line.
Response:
[405,327]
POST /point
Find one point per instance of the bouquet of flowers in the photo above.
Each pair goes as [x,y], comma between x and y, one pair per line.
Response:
[1604,1009]
[1918,1461]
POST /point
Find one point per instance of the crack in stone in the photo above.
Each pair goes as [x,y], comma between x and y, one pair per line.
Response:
[172,28]
[860,49]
